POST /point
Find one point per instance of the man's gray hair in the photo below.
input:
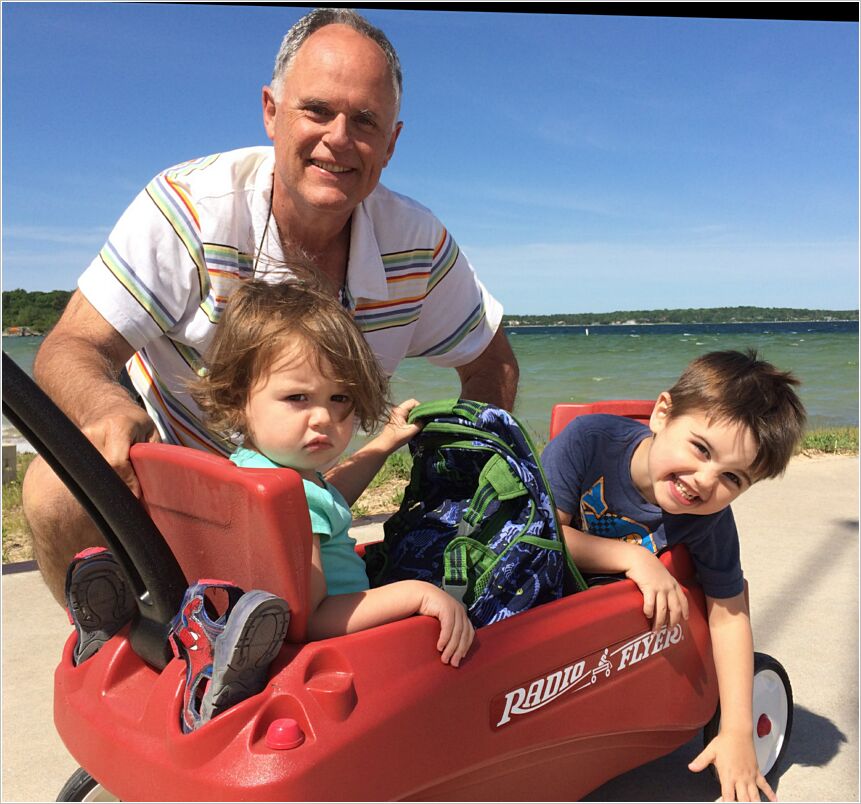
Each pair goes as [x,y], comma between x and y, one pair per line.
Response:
[319,18]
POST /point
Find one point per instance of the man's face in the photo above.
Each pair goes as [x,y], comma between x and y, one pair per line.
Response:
[334,127]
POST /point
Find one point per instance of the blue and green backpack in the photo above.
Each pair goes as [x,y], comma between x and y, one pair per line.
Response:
[477,518]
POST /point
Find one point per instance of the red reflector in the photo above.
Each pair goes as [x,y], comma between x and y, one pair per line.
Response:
[763,726]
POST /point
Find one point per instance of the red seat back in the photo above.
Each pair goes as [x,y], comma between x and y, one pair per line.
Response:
[564,412]
[247,526]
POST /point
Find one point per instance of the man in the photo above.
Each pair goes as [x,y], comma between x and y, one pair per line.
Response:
[151,299]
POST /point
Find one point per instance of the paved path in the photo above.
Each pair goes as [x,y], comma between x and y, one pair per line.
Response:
[800,552]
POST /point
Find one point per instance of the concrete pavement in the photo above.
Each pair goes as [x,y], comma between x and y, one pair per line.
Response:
[800,554]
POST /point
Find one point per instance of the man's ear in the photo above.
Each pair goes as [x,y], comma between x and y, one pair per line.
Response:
[661,412]
[269,111]
[392,140]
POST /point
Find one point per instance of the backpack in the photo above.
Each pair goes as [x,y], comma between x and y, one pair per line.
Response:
[477,518]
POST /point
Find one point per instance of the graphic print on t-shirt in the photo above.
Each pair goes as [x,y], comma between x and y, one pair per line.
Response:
[598,520]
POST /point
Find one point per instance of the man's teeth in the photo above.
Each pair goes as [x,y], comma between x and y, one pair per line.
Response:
[330,167]
[682,489]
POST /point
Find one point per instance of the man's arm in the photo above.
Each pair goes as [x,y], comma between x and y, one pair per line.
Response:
[78,366]
[492,377]
[732,751]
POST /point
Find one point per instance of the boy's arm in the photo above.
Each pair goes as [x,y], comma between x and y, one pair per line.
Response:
[352,476]
[663,598]
[732,751]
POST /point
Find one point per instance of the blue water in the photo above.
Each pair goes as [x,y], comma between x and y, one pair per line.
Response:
[562,364]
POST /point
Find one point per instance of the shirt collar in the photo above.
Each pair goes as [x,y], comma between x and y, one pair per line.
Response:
[366,274]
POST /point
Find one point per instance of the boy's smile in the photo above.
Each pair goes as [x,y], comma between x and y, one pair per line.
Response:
[692,464]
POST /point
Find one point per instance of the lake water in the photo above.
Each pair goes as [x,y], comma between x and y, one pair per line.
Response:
[564,364]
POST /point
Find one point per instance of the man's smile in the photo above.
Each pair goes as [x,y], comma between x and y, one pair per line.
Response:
[329,167]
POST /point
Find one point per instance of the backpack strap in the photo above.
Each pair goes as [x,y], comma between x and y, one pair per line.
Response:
[497,481]
[463,408]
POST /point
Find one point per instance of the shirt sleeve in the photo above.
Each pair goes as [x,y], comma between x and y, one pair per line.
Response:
[150,274]
[319,504]
[459,316]
[714,547]
[562,463]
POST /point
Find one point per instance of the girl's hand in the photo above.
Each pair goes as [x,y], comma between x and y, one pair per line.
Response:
[397,431]
[664,601]
[455,630]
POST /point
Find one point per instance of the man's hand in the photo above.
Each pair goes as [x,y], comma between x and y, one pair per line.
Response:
[113,435]
[734,758]
[664,601]
[397,430]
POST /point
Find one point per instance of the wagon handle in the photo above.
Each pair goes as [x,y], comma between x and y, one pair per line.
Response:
[146,560]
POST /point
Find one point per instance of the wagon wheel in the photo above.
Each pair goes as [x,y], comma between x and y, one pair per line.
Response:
[772,715]
[83,787]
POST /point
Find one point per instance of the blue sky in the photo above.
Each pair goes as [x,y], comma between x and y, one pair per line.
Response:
[584,163]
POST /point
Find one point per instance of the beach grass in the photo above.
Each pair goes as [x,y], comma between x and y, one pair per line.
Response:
[17,542]
[383,495]
[831,440]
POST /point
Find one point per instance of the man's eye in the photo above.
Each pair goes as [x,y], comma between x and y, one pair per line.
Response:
[364,121]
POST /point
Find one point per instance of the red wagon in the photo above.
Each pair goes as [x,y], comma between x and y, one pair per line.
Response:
[548,705]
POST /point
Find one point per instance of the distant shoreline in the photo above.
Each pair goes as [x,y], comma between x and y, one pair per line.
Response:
[634,323]
[629,323]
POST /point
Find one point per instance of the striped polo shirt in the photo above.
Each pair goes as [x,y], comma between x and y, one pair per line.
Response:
[197,229]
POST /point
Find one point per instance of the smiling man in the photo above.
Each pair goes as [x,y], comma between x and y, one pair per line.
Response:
[150,301]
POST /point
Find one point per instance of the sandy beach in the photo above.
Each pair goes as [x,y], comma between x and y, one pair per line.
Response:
[800,554]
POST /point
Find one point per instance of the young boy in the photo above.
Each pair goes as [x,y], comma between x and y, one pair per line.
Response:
[619,486]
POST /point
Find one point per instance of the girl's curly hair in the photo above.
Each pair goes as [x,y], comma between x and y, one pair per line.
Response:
[260,320]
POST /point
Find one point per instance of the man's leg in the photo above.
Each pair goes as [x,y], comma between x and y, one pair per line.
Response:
[60,526]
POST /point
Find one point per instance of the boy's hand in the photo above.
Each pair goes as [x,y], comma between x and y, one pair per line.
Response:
[664,601]
[455,629]
[734,759]
[397,431]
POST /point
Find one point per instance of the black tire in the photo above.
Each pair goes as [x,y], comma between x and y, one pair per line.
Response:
[772,716]
[83,787]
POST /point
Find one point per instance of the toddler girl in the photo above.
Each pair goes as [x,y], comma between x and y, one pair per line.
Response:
[289,370]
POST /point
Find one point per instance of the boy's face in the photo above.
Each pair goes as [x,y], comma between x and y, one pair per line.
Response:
[694,465]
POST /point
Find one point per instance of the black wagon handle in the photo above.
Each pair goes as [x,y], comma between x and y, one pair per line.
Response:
[143,554]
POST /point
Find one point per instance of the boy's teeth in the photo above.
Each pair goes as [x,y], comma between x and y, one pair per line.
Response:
[683,491]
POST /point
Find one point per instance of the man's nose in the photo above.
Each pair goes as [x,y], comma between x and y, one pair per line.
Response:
[337,132]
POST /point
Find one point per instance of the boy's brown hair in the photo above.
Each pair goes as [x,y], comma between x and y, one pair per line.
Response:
[262,318]
[739,387]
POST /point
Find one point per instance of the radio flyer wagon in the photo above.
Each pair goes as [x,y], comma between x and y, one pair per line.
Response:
[548,705]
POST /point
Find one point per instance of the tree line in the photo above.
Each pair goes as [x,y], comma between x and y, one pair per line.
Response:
[34,309]
[695,315]
[39,311]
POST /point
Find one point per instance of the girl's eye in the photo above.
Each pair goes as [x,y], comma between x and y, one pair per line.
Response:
[295,398]
[341,399]
[733,478]
[701,449]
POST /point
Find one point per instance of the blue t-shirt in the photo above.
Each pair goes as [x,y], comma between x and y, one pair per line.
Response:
[343,569]
[588,467]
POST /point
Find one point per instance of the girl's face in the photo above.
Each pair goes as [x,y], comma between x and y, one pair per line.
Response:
[296,416]
[693,465]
